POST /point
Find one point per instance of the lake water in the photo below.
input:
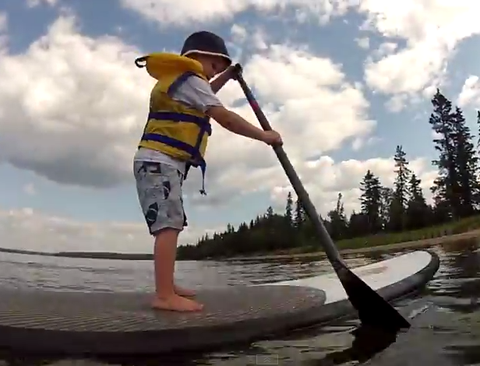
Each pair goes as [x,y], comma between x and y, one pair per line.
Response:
[445,316]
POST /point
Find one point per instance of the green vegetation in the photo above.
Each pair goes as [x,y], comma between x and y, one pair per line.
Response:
[387,215]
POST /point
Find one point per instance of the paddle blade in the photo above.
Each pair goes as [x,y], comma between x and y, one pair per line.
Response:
[373,310]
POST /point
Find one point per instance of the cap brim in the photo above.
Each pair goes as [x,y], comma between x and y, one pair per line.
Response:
[227,58]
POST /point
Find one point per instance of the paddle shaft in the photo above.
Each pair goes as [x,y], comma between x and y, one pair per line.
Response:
[328,245]
[371,307]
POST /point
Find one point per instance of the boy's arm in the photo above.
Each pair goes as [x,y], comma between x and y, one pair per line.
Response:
[235,123]
[221,80]
[198,94]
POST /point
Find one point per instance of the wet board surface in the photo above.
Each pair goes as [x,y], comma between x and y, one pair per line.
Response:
[406,269]
[123,323]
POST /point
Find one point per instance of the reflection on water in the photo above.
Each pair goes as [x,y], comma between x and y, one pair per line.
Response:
[445,316]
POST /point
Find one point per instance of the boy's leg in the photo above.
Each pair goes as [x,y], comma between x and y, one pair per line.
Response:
[160,195]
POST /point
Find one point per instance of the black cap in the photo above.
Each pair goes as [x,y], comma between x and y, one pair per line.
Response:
[206,43]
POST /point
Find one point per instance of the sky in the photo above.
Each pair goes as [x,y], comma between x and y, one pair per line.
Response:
[343,81]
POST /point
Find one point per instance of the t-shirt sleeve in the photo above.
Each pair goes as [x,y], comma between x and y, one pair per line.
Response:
[197,93]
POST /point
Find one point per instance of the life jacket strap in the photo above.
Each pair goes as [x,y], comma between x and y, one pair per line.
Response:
[182,117]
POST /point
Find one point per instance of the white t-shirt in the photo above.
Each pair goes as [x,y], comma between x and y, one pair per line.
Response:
[194,92]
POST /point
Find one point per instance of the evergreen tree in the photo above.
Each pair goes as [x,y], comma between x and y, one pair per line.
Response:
[289,209]
[358,225]
[371,201]
[466,164]
[445,188]
[398,206]
[478,127]
[386,202]
[338,220]
[300,216]
[417,209]
[269,212]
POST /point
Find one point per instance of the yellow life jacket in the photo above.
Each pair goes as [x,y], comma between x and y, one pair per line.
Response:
[174,128]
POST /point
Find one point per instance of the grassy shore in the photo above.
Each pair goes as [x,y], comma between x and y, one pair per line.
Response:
[462,230]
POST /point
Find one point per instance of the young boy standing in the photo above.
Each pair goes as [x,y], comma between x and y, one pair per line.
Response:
[175,138]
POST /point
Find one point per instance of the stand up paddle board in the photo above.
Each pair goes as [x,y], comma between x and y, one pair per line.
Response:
[123,323]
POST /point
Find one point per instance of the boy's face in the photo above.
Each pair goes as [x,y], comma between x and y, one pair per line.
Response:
[212,65]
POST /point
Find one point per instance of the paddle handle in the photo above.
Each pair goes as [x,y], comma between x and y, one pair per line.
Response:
[326,240]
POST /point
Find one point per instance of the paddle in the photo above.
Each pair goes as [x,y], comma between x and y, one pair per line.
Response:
[372,309]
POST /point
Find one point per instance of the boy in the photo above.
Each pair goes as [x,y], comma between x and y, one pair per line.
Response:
[174,139]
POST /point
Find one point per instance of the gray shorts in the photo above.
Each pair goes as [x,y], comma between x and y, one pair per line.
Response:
[159,188]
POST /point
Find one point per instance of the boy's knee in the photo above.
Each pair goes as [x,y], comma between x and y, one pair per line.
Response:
[165,224]
[166,232]
[167,214]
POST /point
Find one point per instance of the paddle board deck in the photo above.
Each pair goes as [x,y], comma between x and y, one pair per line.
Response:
[392,279]
[122,323]
[378,275]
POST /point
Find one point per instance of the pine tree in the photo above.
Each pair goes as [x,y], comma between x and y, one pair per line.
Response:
[403,176]
[466,164]
[398,206]
[386,203]
[269,213]
[338,220]
[478,126]
[300,216]
[417,209]
[289,210]
[371,201]
[445,188]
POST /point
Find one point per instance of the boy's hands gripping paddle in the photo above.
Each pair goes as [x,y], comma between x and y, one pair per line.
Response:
[236,71]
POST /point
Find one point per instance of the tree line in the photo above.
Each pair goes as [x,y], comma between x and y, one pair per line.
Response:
[383,209]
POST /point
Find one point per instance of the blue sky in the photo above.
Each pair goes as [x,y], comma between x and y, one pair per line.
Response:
[357,123]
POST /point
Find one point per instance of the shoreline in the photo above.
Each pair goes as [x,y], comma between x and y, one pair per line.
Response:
[414,244]
[380,248]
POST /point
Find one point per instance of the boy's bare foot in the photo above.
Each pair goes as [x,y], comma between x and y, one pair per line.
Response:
[184,291]
[176,303]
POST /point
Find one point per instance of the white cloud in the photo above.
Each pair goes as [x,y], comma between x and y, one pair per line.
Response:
[78,117]
[34,3]
[470,94]
[78,104]
[431,29]
[182,13]
[363,42]
[31,230]
[244,42]
[410,70]
[239,33]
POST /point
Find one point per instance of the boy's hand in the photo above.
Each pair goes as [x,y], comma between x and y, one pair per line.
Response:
[233,70]
[272,138]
